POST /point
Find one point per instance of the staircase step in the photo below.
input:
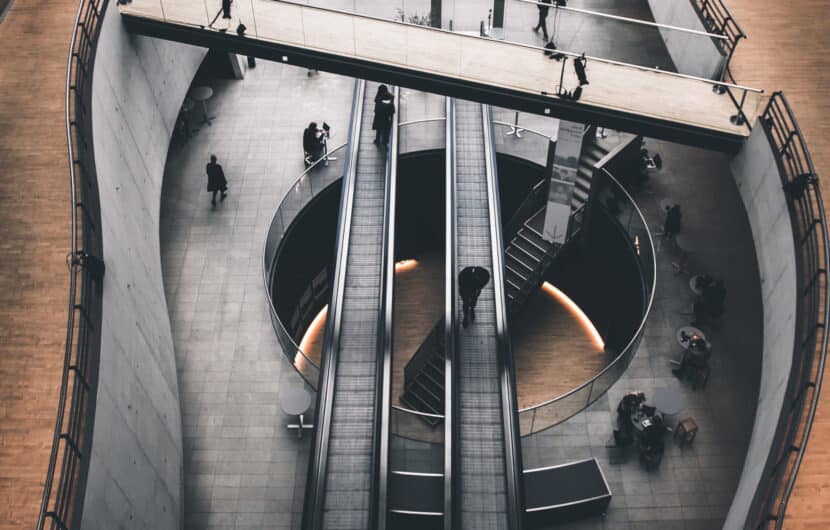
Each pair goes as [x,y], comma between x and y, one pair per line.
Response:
[529,234]
[517,259]
[527,249]
[522,275]
[414,402]
[435,386]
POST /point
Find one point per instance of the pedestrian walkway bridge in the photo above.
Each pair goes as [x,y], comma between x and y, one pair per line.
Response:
[626,97]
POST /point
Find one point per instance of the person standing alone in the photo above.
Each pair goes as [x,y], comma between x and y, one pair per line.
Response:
[384,109]
[543,17]
[471,280]
[216,179]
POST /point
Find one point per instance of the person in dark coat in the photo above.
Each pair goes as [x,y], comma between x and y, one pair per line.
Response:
[543,18]
[216,179]
[314,143]
[697,354]
[226,8]
[673,224]
[470,282]
[384,109]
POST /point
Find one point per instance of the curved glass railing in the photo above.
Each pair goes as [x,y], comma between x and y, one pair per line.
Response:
[533,146]
[605,189]
[311,182]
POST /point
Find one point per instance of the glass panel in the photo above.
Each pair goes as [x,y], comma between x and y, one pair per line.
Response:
[531,146]
[413,426]
[526,419]
[422,136]
[558,411]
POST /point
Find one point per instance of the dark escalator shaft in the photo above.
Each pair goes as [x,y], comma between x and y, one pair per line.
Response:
[346,448]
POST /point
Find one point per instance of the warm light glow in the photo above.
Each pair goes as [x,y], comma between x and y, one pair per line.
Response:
[577,312]
[405,265]
[315,328]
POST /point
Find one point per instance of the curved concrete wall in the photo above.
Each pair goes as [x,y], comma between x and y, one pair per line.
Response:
[135,473]
[759,183]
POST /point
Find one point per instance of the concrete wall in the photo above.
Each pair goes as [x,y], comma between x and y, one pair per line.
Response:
[759,184]
[135,474]
[692,54]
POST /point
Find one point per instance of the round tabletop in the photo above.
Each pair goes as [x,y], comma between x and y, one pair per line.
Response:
[688,331]
[295,401]
[201,93]
[667,401]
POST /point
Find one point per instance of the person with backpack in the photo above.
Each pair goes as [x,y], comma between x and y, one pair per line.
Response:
[471,280]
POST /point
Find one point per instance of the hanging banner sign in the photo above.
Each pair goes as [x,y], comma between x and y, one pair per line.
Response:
[562,180]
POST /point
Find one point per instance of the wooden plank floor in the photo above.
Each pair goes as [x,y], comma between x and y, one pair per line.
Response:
[788,48]
[34,239]
[519,68]
[553,354]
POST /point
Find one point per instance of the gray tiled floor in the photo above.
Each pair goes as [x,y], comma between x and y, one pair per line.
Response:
[240,462]
[694,486]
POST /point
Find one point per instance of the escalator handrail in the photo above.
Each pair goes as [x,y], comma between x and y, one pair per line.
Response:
[450,405]
[512,440]
[315,488]
[386,330]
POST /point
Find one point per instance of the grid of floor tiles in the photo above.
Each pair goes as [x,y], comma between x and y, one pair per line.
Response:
[242,467]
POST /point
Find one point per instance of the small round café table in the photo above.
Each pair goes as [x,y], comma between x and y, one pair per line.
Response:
[295,402]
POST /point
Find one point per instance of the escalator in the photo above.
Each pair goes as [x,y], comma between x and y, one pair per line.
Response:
[484,475]
[347,471]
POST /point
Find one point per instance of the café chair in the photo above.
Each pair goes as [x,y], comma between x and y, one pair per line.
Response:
[651,454]
[685,432]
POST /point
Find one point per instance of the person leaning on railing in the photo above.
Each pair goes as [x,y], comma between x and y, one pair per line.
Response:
[314,142]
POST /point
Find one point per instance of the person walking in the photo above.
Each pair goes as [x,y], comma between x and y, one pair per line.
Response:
[384,109]
[471,280]
[543,18]
[216,179]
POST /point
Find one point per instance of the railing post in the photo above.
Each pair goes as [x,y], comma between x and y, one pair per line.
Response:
[738,118]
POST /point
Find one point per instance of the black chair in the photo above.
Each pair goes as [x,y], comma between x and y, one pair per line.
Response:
[651,453]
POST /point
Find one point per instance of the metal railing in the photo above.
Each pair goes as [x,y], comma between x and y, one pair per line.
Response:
[62,502]
[308,37]
[631,220]
[717,18]
[807,215]
[314,180]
